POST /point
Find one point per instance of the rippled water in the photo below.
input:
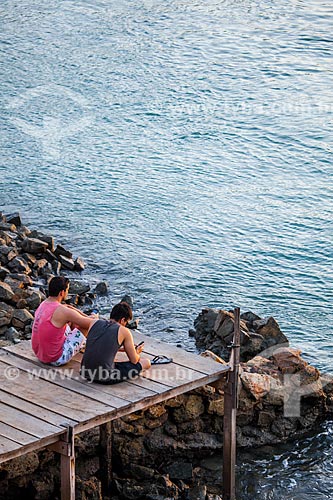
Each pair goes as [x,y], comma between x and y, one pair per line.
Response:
[184,149]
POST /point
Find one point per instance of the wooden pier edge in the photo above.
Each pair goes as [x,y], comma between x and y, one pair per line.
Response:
[230,410]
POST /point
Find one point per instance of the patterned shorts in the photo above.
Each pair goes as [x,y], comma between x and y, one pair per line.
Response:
[75,340]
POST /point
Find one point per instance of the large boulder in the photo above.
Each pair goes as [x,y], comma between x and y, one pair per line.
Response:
[214,330]
[6,293]
[6,314]
[34,245]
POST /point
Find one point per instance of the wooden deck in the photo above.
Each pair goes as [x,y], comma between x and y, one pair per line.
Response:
[40,404]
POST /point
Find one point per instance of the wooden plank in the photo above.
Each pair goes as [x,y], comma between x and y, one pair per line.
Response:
[184,358]
[33,409]
[7,446]
[129,392]
[172,375]
[21,421]
[68,378]
[15,434]
[24,449]
[152,346]
[51,396]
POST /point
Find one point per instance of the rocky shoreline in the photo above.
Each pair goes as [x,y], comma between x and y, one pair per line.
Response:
[164,451]
[28,259]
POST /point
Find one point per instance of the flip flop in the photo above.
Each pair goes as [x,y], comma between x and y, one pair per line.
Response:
[161,360]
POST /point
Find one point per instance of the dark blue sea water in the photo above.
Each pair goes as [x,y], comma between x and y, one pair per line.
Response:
[184,149]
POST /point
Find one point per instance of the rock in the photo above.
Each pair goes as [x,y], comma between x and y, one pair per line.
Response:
[23,231]
[133,324]
[16,285]
[180,470]
[79,264]
[11,334]
[50,256]
[126,298]
[6,237]
[102,289]
[14,219]
[34,245]
[7,227]
[288,360]
[42,266]
[271,333]
[3,272]
[197,492]
[34,298]
[90,489]
[156,411]
[29,258]
[66,262]
[192,409]
[214,330]
[26,464]
[216,407]
[256,384]
[78,287]
[60,250]
[22,278]
[19,265]
[6,314]
[43,237]
[21,317]
[6,293]
[56,267]
[141,472]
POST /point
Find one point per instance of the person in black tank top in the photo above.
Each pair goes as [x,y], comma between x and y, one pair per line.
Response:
[105,339]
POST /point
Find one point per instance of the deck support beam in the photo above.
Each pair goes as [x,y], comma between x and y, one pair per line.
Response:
[65,448]
[230,410]
[105,461]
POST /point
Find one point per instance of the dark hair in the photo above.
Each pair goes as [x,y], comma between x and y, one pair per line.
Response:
[57,285]
[121,310]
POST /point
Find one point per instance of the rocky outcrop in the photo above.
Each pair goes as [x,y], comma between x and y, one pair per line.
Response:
[213,329]
[28,259]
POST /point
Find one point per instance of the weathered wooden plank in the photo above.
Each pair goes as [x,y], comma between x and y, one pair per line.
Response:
[7,446]
[21,421]
[68,378]
[24,449]
[51,396]
[172,374]
[31,408]
[187,359]
[116,398]
[16,435]
[154,347]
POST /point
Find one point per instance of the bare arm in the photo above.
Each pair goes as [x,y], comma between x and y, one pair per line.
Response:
[64,314]
[132,353]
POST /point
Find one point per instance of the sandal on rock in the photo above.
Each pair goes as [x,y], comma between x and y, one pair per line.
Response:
[161,360]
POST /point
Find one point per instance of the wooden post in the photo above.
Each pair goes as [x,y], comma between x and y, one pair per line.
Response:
[105,461]
[67,468]
[229,421]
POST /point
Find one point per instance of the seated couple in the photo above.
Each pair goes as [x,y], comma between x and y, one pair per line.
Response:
[59,332]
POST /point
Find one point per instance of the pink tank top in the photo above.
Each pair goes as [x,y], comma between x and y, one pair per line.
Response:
[47,340]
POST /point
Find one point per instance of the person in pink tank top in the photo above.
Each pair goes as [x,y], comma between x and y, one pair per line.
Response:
[53,340]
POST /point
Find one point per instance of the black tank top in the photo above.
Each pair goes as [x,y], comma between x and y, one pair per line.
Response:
[101,348]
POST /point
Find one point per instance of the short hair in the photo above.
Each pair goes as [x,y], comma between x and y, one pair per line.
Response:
[57,285]
[121,310]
